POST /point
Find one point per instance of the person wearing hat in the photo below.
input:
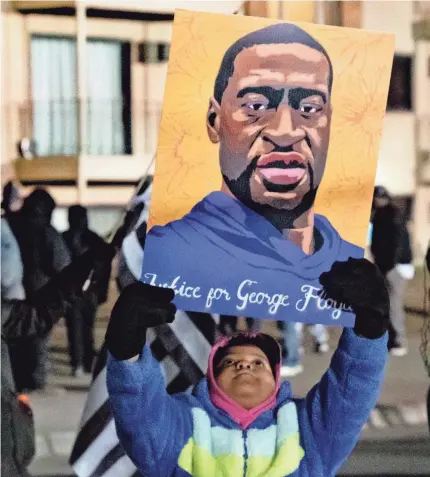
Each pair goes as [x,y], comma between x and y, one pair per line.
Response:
[240,419]
[392,253]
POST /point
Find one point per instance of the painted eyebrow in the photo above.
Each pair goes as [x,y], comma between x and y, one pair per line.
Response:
[267,91]
[275,95]
[298,94]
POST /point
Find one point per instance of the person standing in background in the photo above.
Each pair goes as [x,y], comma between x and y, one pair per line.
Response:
[392,253]
[427,264]
[81,313]
[12,271]
[44,255]
[23,320]
[293,346]
[12,200]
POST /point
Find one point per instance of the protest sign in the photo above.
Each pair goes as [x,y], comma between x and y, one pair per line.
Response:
[265,164]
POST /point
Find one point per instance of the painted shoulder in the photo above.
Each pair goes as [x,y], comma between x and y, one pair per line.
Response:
[346,249]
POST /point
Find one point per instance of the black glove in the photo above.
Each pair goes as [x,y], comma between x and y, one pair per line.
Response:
[359,284]
[138,308]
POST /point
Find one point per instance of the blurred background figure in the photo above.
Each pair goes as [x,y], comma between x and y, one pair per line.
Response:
[229,324]
[293,348]
[392,253]
[12,200]
[44,254]
[12,272]
[81,312]
[427,265]
[21,320]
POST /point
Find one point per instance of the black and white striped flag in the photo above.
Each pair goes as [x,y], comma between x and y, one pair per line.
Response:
[182,348]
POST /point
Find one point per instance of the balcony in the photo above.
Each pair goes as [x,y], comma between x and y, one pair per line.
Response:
[120,140]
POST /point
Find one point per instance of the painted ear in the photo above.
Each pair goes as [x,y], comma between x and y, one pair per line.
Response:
[213,120]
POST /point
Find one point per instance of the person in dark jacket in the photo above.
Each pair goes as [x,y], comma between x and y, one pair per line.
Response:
[12,200]
[22,320]
[427,264]
[44,255]
[81,313]
[391,250]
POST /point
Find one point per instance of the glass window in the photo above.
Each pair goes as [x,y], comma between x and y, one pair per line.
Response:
[55,102]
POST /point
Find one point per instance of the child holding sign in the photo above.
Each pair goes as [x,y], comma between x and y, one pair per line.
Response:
[241,420]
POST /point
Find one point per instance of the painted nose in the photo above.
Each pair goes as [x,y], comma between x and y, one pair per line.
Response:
[282,130]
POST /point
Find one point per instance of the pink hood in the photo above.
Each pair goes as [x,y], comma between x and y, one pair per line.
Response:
[220,399]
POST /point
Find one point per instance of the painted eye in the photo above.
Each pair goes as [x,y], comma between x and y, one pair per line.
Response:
[257,106]
[309,109]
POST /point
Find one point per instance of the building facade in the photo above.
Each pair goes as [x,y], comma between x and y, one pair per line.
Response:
[83,84]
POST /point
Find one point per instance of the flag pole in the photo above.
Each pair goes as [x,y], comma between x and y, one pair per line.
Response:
[130,202]
[112,236]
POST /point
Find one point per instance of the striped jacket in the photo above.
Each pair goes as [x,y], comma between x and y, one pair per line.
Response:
[186,435]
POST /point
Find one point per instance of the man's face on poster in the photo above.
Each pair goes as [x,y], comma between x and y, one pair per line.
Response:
[273,124]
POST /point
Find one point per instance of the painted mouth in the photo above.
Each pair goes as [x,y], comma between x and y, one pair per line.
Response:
[283,169]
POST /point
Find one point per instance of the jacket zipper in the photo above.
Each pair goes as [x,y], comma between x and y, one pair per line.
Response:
[244,434]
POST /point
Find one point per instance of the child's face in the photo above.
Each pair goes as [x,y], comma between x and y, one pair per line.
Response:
[245,376]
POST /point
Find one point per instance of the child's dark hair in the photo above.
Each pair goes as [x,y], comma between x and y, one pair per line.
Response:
[266,343]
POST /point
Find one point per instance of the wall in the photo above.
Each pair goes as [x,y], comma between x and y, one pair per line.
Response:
[14,92]
[396,163]
[102,220]
[147,93]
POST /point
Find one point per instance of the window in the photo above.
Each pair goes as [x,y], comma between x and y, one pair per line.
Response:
[150,52]
[400,90]
[55,102]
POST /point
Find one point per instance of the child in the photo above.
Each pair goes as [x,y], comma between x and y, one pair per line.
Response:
[240,420]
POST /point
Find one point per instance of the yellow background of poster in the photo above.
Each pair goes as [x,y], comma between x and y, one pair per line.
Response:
[187,167]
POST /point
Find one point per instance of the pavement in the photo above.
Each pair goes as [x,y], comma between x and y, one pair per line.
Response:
[395,440]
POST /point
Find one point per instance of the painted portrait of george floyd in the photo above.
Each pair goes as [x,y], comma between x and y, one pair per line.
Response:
[265,165]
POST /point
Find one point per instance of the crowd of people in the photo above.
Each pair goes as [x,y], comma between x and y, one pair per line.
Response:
[48,275]
[45,276]
[43,254]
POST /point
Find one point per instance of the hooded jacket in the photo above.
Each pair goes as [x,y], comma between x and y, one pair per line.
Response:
[391,244]
[79,240]
[11,266]
[20,320]
[185,435]
[263,274]
[43,250]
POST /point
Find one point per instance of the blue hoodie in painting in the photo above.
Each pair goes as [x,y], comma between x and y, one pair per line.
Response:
[187,435]
[225,258]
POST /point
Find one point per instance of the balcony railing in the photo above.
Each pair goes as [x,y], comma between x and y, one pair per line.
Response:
[53,126]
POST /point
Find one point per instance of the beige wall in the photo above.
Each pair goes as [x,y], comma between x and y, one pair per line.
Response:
[147,92]
[422,107]
[396,163]
[14,86]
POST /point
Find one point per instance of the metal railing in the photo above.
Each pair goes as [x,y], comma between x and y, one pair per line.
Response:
[53,126]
